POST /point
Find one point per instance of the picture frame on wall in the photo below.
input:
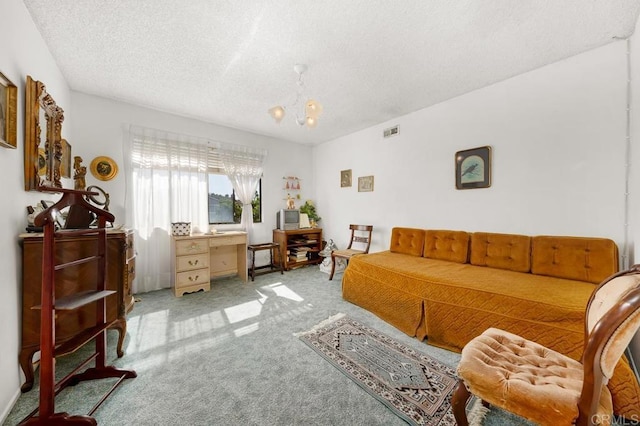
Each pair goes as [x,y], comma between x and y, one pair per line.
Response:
[65,164]
[8,113]
[345,178]
[365,184]
[473,168]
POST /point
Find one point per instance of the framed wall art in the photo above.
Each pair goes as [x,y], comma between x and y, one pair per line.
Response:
[8,113]
[365,184]
[104,168]
[473,168]
[345,178]
[65,163]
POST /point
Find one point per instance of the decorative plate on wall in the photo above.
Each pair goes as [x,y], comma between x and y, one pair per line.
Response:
[104,168]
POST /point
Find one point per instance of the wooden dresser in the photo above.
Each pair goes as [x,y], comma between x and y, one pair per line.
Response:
[120,275]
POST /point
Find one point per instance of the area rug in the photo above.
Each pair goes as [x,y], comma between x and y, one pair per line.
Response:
[415,386]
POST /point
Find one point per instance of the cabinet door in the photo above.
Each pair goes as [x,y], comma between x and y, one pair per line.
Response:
[224,260]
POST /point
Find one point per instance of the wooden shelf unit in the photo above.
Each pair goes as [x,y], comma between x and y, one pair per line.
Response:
[308,239]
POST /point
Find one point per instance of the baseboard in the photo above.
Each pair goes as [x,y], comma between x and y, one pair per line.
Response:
[7,410]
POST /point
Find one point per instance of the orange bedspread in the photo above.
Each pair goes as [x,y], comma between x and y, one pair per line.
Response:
[451,303]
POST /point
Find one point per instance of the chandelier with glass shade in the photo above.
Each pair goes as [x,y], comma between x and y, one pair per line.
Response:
[306,111]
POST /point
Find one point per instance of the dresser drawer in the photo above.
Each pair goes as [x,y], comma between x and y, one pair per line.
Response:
[227,240]
[196,261]
[188,278]
[195,246]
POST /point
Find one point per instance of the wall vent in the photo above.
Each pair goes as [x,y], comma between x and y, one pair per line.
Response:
[391,131]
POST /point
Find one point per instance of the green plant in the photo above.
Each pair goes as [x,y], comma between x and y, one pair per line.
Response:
[310,210]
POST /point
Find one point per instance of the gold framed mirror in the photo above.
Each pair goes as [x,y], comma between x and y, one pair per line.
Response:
[43,132]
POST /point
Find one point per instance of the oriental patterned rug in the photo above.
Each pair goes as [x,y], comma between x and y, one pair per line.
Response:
[415,386]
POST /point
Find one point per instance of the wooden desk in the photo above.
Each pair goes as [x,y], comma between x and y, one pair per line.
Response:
[196,259]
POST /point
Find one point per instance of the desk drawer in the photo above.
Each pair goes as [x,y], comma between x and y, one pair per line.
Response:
[198,276]
[196,261]
[227,240]
[195,246]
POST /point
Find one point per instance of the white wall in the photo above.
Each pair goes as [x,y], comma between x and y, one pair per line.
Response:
[98,130]
[23,53]
[558,141]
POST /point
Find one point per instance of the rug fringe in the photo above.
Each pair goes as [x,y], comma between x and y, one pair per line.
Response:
[320,325]
[477,413]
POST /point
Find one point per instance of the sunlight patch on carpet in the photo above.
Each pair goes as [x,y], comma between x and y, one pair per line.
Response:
[413,385]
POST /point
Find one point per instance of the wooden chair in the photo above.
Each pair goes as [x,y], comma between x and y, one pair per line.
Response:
[359,234]
[544,386]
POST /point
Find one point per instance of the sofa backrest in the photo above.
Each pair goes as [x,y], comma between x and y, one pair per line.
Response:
[502,251]
[575,258]
[446,245]
[407,241]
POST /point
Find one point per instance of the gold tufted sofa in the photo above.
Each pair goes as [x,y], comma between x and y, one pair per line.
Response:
[450,286]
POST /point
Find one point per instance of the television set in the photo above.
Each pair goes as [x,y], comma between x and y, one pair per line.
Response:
[288,219]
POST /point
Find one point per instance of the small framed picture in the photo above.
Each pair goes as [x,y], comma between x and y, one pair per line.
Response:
[65,164]
[473,168]
[345,178]
[8,113]
[365,184]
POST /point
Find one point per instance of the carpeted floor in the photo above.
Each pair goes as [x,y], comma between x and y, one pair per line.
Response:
[230,357]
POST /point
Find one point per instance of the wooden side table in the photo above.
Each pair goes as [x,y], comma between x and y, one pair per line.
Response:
[253,248]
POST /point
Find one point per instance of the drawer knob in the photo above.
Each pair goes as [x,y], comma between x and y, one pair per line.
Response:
[192,263]
[193,279]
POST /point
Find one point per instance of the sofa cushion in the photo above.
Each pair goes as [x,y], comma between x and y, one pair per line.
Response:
[574,258]
[446,245]
[407,241]
[502,251]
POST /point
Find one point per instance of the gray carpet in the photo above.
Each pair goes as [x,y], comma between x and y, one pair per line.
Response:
[230,357]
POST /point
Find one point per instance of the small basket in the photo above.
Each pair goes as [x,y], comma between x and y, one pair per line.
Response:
[180,229]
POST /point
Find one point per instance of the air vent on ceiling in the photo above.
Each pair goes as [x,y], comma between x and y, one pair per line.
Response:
[391,131]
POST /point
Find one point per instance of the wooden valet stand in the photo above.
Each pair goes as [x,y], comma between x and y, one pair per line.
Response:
[50,305]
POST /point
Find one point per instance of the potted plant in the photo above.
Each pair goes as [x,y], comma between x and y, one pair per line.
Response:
[310,210]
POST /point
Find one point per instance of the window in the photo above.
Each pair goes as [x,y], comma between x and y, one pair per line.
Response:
[223,206]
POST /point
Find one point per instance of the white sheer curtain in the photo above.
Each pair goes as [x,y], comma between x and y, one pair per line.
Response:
[243,166]
[168,183]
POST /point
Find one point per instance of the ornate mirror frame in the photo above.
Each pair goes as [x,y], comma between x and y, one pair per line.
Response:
[42,110]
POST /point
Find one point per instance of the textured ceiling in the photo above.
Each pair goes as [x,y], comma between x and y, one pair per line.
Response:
[228,62]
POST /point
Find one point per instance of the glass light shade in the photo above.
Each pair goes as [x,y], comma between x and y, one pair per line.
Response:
[277,112]
[313,108]
[311,121]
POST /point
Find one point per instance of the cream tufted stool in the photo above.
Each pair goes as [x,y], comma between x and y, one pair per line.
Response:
[544,386]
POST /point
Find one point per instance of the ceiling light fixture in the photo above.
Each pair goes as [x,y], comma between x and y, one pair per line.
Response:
[306,113]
